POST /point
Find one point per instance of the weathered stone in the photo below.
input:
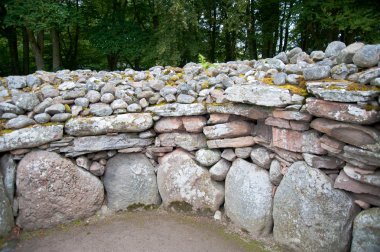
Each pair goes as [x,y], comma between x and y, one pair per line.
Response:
[228,130]
[366,231]
[134,107]
[6,107]
[107,98]
[67,85]
[104,142]
[334,48]
[275,175]
[187,141]
[363,176]
[259,94]
[345,182]
[366,157]
[367,76]
[42,118]
[55,109]
[279,78]
[8,171]
[243,152]
[181,180]
[322,162]
[110,124]
[219,170]
[40,108]
[316,72]
[21,121]
[6,214]
[286,124]
[207,157]
[367,56]
[319,217]
[292,115]
[249,111]
[129,181]
[26,101]
[30,137]
[228,154]
[40,177]
[97,168]
[16,82]
[100,109]
[231,142]
[360,136]
[218,118]
[340,91]
[297,141]
[317,55]
[194,124]
[74,93]
[346,55]
[61,117]
[83,162]
[331,145]
[343,112]
[249,200]
[177,109]
[261,156]
[93,96]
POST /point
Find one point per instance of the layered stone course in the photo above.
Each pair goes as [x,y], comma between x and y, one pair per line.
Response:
[291,149]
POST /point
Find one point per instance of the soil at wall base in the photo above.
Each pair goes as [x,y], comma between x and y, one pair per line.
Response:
[155,230]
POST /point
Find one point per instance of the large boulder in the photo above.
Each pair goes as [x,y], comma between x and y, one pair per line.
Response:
[6,214]
[366,232]
[309,214]
[130,180]
[52,190]
[181,181]
[249,197]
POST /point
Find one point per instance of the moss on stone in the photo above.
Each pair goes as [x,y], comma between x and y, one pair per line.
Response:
[67,108]
[181,206]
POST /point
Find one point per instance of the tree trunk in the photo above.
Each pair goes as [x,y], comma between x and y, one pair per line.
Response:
[287,26]
[13,52]
[112,61]
[37,46]
[25,51]
[251,30]
[56,49]
[213,34]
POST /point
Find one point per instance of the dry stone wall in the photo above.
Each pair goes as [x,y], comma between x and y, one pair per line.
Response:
[288,146]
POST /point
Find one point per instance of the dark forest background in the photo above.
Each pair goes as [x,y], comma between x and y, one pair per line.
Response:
[116,34]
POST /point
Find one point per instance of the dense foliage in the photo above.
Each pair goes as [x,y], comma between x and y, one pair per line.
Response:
[116,34]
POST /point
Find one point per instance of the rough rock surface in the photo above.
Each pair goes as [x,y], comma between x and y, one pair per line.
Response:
[343,112]
[187,141]
[30,137]
[6,215]
[180,179]
[249,197]
[261,156]
[130,180]
[220,170]
[177,109]
[360,136]
[366,232]
[297,141]
[319,217]
[207,157]
[64,192]
[259,94]
[237,142]
[111,124]
[8,171]
[228,130]
[246,110]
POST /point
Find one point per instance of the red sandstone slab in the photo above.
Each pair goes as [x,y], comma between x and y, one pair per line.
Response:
[344,112]
[231,142]
[360,136]
[286,124]
[292,115]
[228,130]
[346,183]
[298,141]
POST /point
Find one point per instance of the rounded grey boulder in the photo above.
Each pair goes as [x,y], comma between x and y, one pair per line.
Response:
[309,214]
[129,181]
[366,232]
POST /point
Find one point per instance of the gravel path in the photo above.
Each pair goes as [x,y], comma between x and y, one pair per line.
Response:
[138,231]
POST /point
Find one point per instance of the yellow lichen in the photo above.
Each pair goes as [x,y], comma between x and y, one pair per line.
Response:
[205,85]
[67,108]
[361,87]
